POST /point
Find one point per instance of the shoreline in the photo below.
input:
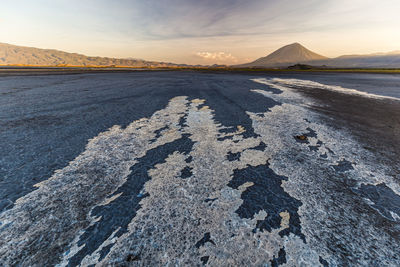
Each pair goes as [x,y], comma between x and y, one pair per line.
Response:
[49,70]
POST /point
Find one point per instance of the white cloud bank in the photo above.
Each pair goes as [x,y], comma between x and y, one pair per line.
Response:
[218,57]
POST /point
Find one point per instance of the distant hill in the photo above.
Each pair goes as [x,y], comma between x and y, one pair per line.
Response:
[20,55]
[378,60]
[297,55]
[286,56]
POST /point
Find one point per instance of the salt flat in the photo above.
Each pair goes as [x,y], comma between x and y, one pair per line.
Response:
[190,168]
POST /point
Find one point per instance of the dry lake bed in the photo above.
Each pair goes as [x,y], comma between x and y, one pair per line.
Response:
[182,168]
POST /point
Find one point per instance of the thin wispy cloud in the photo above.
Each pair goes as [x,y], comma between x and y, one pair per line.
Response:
[173,19]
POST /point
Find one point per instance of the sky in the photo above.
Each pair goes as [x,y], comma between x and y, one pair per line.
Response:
[201,31]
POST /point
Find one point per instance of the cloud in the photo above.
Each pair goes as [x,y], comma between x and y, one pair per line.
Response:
[219,57]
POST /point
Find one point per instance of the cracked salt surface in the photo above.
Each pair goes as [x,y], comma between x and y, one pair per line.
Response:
[180,188]
[311,84]
[336,222]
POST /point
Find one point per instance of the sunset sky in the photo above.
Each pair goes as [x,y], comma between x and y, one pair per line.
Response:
[201,31]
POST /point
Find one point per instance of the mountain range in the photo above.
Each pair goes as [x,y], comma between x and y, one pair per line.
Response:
[297,54]
[283,57]
[30,56]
